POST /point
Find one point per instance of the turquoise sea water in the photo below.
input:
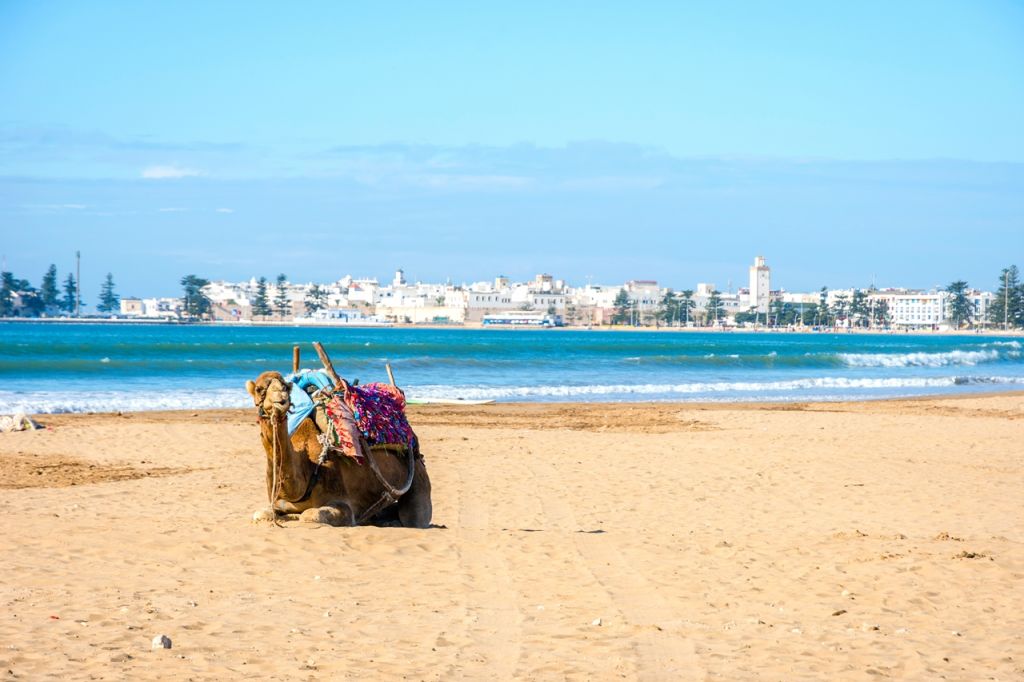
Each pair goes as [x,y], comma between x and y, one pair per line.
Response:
[105,367]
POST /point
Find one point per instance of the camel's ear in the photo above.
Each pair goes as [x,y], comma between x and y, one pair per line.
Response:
[251,387]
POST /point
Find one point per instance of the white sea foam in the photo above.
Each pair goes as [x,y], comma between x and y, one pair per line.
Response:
[48,402]
[766,389]
[953,357]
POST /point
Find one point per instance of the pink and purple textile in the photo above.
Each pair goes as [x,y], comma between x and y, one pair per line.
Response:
[375,412]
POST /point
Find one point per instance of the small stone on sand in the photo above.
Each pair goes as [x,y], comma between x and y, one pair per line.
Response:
[161,642]
[263,515]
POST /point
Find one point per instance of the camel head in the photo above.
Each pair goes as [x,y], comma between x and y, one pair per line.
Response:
[271,394]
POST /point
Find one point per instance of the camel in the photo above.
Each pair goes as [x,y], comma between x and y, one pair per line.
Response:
[342,492]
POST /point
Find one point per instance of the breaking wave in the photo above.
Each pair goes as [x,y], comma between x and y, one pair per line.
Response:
[48,402]
[760,389]
[945,359]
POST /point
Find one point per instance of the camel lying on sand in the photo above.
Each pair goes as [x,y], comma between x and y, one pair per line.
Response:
[341,492]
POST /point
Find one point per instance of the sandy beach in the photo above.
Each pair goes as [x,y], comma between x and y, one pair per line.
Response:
[637,541]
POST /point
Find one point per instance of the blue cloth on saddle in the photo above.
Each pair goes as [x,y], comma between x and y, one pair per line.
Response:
[302,404]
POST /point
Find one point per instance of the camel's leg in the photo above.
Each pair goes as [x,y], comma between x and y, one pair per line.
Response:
[340,515]
[415,508]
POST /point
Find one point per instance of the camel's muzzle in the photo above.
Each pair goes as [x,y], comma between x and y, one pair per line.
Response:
[277,408]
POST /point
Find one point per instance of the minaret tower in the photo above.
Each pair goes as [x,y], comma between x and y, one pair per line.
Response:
[760,285]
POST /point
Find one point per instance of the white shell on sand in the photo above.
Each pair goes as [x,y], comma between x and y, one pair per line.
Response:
[596,621]
[161,642]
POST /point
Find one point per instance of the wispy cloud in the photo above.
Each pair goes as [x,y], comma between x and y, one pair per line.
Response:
[169,173]
[172,209]
[225,210]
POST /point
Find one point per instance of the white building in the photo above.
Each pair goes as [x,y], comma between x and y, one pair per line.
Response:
[152,308]
[913,309]
[924,310]
[363,291]
[760,285]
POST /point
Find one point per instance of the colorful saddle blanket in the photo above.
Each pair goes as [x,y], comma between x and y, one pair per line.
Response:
[374,411]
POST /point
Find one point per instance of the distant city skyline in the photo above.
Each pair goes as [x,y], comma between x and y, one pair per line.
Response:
[731,285]
[844,142]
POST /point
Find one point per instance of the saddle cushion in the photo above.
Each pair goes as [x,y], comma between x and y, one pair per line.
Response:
[375,412]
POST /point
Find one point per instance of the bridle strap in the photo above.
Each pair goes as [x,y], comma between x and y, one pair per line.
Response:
[391,495]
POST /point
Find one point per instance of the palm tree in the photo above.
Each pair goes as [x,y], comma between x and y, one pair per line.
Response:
[714,306]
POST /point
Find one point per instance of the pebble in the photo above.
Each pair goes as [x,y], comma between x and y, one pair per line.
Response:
[261,515]
[846,593]
[797,631]
[957,633]
[161,642]
[596,621]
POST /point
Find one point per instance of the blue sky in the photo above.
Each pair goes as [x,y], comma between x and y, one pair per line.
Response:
[845,142]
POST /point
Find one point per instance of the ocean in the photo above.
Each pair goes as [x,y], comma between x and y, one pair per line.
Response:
[47,367]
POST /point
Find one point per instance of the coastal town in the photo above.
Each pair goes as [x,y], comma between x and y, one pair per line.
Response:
[544,301]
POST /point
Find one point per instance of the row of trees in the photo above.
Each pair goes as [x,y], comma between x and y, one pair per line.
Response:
[263,306]
[857,310]
[197,305]
[674,309]
[50,298]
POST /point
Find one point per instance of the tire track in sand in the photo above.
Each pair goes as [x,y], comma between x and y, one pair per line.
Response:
[662,647]
[495,619]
